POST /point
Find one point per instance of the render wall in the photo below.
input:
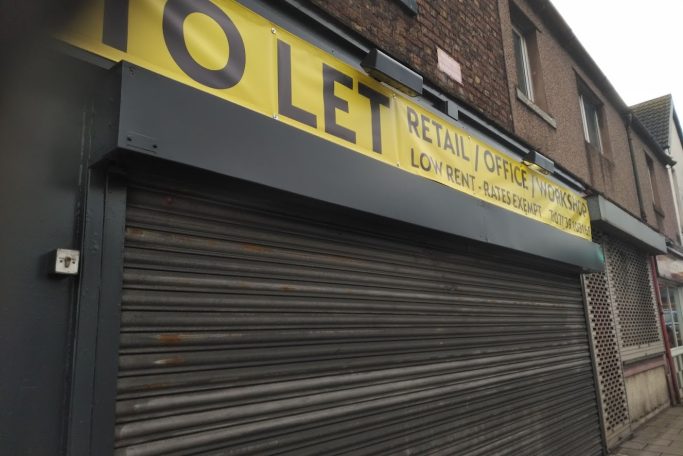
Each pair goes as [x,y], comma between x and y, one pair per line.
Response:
[647,392]
[468,30]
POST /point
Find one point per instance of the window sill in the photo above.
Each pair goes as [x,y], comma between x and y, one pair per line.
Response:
[410,5]
[592,150]
[536,109]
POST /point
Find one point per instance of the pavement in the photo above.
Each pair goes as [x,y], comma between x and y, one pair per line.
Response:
[661,436]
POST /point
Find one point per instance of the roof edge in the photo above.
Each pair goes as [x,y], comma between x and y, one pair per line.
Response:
[650,140]
[677,124]
[570,43]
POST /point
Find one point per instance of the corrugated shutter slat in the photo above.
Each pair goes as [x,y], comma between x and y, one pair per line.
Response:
[250,332]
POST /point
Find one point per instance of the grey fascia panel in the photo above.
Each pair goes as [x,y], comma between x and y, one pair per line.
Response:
[612,219]
[163,118]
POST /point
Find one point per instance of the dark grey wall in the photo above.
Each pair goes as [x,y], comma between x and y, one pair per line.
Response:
[41,130]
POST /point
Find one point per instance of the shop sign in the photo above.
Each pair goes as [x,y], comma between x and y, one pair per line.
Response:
[223,48]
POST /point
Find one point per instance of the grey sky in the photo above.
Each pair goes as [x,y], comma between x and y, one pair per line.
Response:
[636,43]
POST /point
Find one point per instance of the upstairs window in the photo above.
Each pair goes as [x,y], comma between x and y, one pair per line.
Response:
[591,114]
[653,187]
[524,79]
[530,85]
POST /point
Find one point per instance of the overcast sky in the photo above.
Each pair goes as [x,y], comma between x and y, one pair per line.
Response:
[636,43]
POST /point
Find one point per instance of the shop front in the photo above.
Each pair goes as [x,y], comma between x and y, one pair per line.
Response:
[293,258]
[630,353]
[670,268]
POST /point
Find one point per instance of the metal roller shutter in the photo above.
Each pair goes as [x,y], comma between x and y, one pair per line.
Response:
[247,329]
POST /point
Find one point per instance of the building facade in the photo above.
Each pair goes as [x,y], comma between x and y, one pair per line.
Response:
[316,227]
[660,118]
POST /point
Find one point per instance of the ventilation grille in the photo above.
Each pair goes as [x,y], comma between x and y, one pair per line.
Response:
[607,356]
[632,292]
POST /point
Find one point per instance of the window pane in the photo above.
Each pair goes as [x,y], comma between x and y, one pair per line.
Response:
[650,176]
[672,318]
[652,185]
[520,60]
[675,318]
[592,123]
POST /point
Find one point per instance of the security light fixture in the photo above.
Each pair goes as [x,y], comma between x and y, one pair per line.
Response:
[383,68]
[451,109]
[539,162]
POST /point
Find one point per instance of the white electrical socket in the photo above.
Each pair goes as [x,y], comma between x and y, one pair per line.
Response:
[65,262]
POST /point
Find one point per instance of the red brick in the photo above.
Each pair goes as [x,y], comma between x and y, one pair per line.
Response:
[468,30]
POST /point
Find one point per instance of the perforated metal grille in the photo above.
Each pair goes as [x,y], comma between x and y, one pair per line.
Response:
[632,293]
[607,356]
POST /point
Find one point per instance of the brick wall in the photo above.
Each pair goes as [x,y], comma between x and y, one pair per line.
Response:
[610,173]
[478,34]
[468,30]
[661,215]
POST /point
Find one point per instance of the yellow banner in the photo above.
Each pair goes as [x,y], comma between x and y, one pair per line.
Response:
[221,47]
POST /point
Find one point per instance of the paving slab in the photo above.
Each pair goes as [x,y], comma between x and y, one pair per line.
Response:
[661,436]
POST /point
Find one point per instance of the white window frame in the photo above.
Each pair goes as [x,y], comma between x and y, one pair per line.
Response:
[584,119]
[526,66]
[673,294]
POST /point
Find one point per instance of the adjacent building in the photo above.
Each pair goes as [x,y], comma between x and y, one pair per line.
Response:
[566,108]
[660,118]
[328,227]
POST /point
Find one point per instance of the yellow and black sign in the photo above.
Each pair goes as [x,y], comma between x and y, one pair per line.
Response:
[221,47]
